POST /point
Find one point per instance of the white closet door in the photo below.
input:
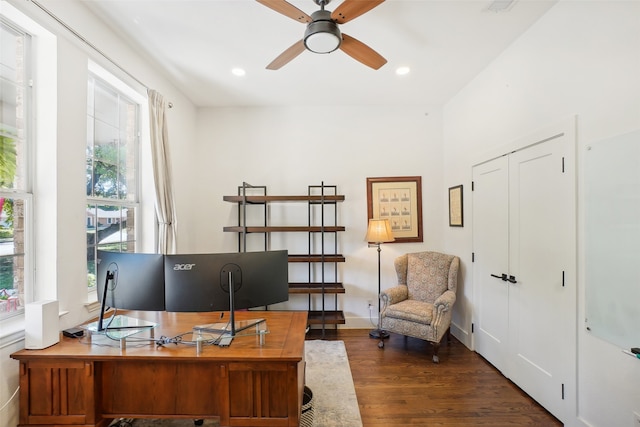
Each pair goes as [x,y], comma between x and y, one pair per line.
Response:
[524,229]
[542,301]
[491,257]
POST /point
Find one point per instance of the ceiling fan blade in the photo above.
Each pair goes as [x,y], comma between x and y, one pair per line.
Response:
[287,9]
[285,57]
[361,52]
[351,9]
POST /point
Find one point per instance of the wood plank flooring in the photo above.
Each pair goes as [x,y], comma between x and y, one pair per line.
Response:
[400,385]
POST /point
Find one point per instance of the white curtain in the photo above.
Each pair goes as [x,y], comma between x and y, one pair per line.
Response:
[165,209]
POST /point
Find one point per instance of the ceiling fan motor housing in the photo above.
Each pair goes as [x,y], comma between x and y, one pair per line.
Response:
[322,34]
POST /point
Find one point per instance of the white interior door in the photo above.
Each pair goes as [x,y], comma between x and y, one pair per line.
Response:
[491,257]
[542,301]
[524,228]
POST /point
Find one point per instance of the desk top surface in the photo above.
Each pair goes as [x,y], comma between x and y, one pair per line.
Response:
[283,342]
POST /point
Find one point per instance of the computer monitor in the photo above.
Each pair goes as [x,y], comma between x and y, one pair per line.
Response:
[200,282]
[130,281]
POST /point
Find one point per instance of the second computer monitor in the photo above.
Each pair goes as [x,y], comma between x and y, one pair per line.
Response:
[200,282]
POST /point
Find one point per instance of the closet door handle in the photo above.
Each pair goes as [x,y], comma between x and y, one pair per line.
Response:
[512,279]
[502,277]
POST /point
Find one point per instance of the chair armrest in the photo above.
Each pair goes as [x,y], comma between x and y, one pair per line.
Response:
[394,294]
[445,301]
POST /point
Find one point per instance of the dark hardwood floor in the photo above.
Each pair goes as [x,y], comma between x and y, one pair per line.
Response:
[400,385]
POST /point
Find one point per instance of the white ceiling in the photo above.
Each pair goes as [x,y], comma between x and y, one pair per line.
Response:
[198,42]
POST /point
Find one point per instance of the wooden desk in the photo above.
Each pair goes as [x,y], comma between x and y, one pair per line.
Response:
[80,383]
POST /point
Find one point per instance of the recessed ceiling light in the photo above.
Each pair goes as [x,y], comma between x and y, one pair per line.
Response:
[238,72]
[403,71]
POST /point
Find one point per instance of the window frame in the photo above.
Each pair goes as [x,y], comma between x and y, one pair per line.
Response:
[25,191]
[111,81]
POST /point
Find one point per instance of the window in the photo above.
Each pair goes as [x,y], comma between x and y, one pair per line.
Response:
[15,170]
[112,171]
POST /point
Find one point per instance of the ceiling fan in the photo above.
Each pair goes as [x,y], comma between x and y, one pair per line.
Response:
[323,35]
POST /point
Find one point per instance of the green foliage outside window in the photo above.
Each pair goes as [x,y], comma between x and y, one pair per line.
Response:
[7,175]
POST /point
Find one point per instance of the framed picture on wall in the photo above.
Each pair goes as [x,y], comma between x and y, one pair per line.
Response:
[398,199]
[456,214]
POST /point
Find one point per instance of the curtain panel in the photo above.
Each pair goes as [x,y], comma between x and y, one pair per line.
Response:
[161,159]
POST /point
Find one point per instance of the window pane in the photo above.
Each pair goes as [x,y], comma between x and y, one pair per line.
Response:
[111,171]
[112,144]
[9,163]
[12,108]
[105,105]
[13,169]
[10,104]
[108,179]
[109,228]
[12,256]
[11,51]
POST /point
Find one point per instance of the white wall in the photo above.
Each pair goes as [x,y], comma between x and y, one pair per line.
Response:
[288,149]
[582,58]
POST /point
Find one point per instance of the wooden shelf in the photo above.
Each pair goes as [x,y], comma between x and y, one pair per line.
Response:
[316,258]
[331,317]
[266,199]
[315,288]
[283,228]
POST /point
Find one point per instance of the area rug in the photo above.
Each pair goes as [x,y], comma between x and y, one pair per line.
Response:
[328,375]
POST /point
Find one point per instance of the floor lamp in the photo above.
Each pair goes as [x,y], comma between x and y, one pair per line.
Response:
[379,231]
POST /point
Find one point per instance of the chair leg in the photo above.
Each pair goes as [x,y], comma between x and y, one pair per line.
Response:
[436,347]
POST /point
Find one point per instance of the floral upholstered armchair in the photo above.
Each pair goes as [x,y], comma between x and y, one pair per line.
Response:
[420,305]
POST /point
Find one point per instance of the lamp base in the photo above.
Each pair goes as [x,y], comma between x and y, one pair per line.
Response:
[379,334]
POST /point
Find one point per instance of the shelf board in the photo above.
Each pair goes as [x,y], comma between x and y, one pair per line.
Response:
[316,258]
[283,228]
[315,288]
[331,317]
[264,199]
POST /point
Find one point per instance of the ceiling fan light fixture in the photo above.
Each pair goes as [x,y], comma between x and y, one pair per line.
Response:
[322,34]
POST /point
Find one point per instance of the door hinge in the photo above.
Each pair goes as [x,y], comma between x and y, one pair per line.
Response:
[563,165]
[563,279]
[472,327]
[473,185]
[473,257]
[562,391]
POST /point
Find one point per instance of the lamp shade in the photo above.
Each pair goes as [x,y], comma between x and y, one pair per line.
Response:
[379,231]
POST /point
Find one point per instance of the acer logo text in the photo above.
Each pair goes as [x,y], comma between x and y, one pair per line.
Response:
[178,267]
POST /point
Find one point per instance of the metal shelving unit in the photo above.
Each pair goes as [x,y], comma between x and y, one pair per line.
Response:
[322,256]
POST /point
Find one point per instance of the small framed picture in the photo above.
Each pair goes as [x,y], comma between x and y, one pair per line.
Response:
[456,213]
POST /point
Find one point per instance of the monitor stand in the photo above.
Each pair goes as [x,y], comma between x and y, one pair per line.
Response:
[125,324]
[232,305]
[109,277]
[120,323]
[224,327]
[228,330]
